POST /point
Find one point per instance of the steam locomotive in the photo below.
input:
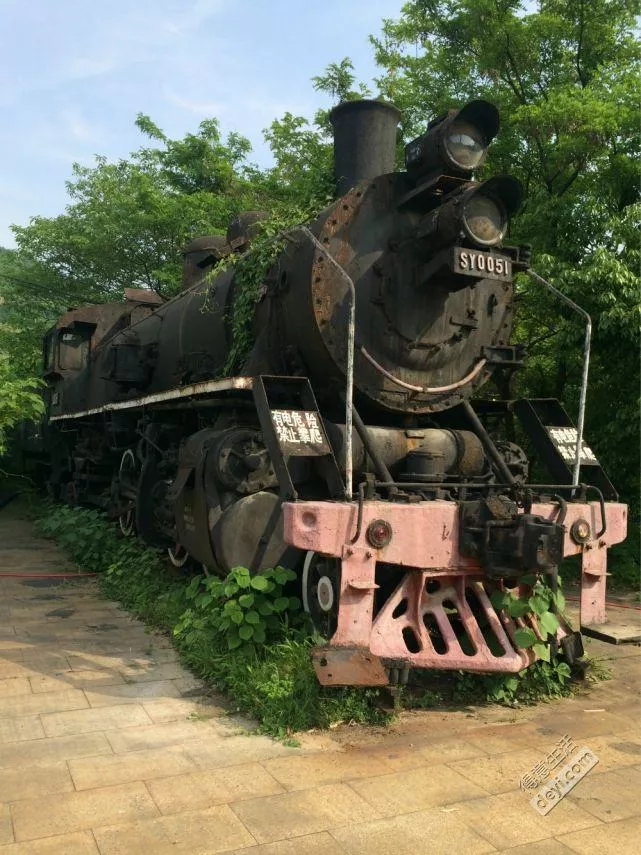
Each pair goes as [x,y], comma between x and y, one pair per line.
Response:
[346,445]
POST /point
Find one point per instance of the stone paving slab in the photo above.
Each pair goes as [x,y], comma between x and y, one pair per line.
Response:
[109,747]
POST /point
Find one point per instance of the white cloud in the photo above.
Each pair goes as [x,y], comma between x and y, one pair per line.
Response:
[74,125]
[208,109]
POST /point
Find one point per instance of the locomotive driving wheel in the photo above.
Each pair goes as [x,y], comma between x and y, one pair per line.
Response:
[178,555]
[321,584]
[128,473]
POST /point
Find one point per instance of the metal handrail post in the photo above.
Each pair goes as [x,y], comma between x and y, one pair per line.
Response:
[586,367]
[351,334]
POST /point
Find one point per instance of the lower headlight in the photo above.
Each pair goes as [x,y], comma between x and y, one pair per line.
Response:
[484,219]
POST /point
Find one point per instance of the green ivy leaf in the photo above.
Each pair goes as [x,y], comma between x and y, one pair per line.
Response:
[500,599]
[234,641]
[282,575]
[542,651]
[252,617]
[518,608]
[246,632]
[548,623]
[246,600]
[259,583]
[237,617]
[538,604]
[559,601]
[281,604]
[265,608]
[525,637]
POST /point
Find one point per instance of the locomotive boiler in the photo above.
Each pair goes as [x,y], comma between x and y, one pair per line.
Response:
[325,422]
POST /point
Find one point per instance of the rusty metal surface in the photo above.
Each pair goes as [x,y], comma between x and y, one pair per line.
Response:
[364,141]
[143,295]
[348,666]
[425,333]
[428,624]
[425,541]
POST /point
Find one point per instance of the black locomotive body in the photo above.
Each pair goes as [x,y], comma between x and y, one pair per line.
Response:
[387,313]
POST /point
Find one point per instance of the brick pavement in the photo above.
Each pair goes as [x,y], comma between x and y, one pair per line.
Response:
[107,745]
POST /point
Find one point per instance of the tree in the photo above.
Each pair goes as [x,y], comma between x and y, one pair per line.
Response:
[338,82]
[303,174]
[564,77]
[29,303]
[127,222]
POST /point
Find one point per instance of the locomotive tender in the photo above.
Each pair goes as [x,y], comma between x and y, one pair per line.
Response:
[346,445]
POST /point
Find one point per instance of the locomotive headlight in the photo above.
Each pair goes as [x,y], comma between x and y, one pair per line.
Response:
[455,143]
[486,209]
[484,219]
[465,144]
[479,215]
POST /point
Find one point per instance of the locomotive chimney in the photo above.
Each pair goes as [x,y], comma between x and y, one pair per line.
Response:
[364,141]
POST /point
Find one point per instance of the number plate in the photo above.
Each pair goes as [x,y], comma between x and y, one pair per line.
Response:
[482,265]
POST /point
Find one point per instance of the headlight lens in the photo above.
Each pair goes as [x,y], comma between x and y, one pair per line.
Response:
[484,219]
[465,144]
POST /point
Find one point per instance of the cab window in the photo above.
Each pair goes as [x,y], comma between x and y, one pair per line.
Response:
[73,349]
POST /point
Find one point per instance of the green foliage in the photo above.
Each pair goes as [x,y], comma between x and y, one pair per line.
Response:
[303,173]
[128,222]
[543,604]
[540,682]
[338,81]
[246,610]
[29,303]
[250,272]
[19,399]
[548,677]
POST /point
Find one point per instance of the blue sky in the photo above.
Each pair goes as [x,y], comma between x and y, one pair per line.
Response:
[74,73]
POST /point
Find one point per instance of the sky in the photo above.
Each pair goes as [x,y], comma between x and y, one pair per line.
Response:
[74,74]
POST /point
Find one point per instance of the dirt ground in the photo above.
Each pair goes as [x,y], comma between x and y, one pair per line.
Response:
[107,745]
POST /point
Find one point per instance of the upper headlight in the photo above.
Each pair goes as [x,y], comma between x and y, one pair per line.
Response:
[455,143]
[465,144]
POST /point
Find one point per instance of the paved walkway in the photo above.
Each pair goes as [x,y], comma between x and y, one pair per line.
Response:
[107,745]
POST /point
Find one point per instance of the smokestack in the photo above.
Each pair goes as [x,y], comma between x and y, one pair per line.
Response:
[364,141]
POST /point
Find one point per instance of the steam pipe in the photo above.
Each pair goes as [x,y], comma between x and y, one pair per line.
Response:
[586,368]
